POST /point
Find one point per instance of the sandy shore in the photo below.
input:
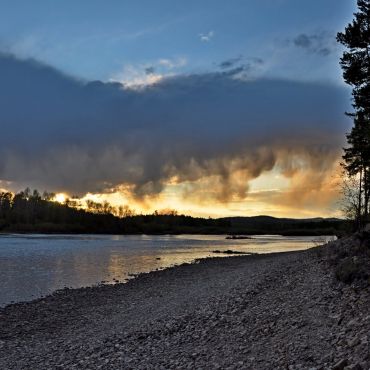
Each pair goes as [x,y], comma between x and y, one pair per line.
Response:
[281,311]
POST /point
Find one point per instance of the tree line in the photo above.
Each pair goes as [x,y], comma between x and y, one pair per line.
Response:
[31,211]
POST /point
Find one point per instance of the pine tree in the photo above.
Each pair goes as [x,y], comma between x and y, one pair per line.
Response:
[355,63]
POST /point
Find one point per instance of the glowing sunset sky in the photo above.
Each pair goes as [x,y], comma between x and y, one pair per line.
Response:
[213,108]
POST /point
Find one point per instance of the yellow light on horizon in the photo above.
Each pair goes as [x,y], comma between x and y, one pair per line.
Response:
[60,198]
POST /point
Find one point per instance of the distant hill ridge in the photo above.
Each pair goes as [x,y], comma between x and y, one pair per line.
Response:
[271,219]
[285,226]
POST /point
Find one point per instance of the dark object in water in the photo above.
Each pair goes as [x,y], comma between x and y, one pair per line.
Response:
[229,251]
[238,237]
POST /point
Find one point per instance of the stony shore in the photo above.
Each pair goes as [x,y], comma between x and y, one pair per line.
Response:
[280,311]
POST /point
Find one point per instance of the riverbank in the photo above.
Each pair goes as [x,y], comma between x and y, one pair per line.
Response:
[249,312]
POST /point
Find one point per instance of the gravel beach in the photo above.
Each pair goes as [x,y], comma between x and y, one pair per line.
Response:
[277,311]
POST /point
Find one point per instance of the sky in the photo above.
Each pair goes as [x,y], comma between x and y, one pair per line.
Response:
[213,108]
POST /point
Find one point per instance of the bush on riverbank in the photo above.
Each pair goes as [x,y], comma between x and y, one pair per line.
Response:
[350,258]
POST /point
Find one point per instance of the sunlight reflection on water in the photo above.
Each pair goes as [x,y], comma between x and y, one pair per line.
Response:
[35,265]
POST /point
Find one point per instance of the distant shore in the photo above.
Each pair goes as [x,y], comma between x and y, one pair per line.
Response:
[55,218]
[244,235]
[274,311]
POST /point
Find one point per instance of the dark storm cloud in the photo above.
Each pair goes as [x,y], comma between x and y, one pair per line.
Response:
[321,44]
[68,135]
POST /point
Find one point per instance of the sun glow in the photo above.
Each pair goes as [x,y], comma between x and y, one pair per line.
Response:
[273,193]
[60,198]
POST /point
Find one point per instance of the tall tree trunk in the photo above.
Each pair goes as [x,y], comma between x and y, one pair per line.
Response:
[359,205]
[367,193]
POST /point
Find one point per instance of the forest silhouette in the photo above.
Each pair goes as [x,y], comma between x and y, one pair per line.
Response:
[30,211]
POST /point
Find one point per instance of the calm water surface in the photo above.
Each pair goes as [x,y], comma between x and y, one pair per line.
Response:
[32,266]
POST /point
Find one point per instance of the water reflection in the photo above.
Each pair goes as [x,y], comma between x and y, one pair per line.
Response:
[36,265]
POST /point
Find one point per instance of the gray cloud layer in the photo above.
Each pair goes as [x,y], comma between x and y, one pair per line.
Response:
[321,44]
[63,134]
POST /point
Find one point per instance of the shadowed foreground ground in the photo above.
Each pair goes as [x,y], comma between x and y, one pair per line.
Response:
[282,311]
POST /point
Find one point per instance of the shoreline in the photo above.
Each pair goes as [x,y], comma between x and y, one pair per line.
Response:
[103,285]
[190,232]
[260,312]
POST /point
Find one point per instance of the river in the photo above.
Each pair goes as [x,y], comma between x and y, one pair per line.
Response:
[32,266]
